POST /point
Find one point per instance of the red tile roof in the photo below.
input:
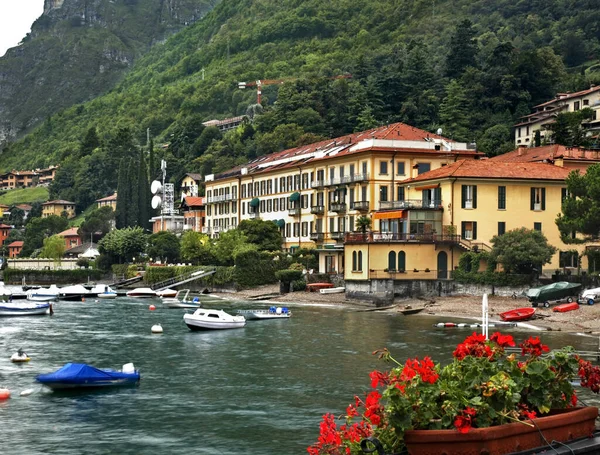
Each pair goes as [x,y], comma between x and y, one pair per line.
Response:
[353,143]
[25,207]
[16,243]
[69,232]
[5,226]
[565,96]
[548,152]
[192,201]
[488,169]
[112,197]
[58,202]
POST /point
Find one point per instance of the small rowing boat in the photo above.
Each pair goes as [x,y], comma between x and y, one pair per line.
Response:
[518,314]
[563,308]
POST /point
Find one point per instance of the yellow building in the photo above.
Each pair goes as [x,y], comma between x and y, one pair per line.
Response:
[543,115]
[110,201]
[455,209]
[189,185]
[315,193]
[57,208]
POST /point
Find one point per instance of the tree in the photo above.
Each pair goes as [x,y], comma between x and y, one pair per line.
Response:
[521,250]
[54,248]
[123,245]
[143,193]
[581,209]
[90,142]
[228,244]
[97,224]
[35,212]
[463,49]
[133,206]
[567,129]
[363,223]
[16,217]
[40,228]
[165,246]
[264,234]
[454,112]
[196,248]
[123,196]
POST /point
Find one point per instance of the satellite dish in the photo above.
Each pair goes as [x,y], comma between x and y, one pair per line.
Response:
[156,202]
[439,131]
[155,187]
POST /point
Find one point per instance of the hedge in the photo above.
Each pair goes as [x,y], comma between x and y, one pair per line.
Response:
[255,268]
[492,278]
[34,276]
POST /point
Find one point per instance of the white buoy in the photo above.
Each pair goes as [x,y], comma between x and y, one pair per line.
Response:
[26,392]
[157,328]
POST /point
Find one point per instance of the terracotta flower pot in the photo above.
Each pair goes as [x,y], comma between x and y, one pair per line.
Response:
[562,425]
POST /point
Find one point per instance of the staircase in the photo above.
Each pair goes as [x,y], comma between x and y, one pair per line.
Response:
[181,279]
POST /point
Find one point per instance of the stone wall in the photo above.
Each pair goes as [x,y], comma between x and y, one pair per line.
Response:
[42,264]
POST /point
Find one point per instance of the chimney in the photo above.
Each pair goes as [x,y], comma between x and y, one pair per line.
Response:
[520,149]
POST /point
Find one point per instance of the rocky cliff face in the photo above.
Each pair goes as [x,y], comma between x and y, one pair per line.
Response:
[79,49]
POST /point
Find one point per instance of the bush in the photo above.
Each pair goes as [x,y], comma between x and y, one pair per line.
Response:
[299,285]
[492,278]
[255,268]
[288,275]
[83,262]
[15,276]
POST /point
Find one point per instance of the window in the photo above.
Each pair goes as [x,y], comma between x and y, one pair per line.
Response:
[364,167]
[331,224]
[400,193]
[586,102]
[282,184]
[383,167]
[564,194]
[351,224]
[304,201]
[538,199]
[469,196]
[363,194]
[244,190]
[352,170]
[537,227]
[519,132]
[304,181]
[354,261]
[262,188]
[243,208]
[501,227]
[351,198]
[423,167]
[296,229]
[392,261]
[341,172]
[331,173]
[288,183]
[383,193]
[401,261]
[359,261]
[296,182]
[269,205]
[502,198]
[469,230]
[568,259]
[304,228]
[400,168]
[288,229]
[576,106]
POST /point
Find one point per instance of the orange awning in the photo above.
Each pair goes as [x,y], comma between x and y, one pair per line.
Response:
[427,187]
[388,215]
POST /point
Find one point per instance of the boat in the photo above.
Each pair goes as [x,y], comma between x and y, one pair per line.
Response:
[564,307]
[205,319]
[332,290]
[81,375]
[312,287]
[76,292]
[167,293]
[141,293]
[43,294]
[518,314]
[20,357]
[25,308]
[409,310]
[271,313]
[178,302]
[589,296]
[103,291]
[560,291]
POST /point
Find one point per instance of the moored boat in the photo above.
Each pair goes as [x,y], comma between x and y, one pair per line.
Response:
[76,292]
[332,290]
[564,307]
[141,293]
[167,293]
[178,302]
[271,313]
[103,291]
[518,314]
[204,319]
[43,294]
[25,308]
[81,375]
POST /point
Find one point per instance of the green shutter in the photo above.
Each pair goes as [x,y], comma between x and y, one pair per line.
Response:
[463,198]
[532,201]
[474,196]
[474,230]
[437,195]
[462,229]
[543,198]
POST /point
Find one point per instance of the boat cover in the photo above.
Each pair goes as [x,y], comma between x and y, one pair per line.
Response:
[553,291]
[81,373]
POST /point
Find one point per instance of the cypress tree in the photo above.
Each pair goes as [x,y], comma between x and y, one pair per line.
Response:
[133,212]
[144,206]
[151,163]
[122,195]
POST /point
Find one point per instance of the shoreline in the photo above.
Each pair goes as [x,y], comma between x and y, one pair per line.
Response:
[584,321]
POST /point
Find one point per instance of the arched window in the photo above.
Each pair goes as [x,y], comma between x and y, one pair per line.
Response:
[360,261]
[392,260]
[401,260]
[354,261]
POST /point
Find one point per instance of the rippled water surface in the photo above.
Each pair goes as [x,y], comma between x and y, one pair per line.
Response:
[257,390]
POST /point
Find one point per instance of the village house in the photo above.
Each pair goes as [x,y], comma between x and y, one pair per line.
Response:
[58,207]
[190,184]
[193,213]
[14,249]
[110,201]
[4,232]
[71,237]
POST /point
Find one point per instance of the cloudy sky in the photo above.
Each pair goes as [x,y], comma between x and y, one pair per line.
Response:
[16,17]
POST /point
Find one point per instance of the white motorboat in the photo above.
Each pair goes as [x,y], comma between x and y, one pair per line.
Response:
[43,294]
[271,313]
[25,308]
[332,290]
[169,293]
[203,319]
[141,293]
[103,291]
[179,302]
[76,292]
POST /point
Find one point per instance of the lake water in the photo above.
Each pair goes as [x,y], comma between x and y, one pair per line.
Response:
[257,390]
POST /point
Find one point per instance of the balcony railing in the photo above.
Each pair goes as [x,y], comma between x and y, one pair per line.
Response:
[411,204]
[317,209]
[338,207]
[217,199]
[361,206]
[317,184]
[294,212]
[400,237]
[317,236]
[337,235]
[206,230]
[345,180]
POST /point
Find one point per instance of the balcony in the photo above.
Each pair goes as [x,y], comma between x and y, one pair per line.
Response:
[361,206]
[411,204]
[217,229]
[338,207]
[401,237]
[337,235]
[294,212]
[317,184]
[317,236]
[206,230]
[317,209]
[364,177]
[217,199]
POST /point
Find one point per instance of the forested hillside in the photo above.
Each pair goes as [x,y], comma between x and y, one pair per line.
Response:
[79,49]
[469,67]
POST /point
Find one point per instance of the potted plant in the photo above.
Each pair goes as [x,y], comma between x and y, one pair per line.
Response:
[486,400]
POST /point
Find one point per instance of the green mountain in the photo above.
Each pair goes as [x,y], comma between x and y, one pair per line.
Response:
[470,67]
[79,49]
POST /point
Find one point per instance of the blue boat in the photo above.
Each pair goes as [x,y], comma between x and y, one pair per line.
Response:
[81,375]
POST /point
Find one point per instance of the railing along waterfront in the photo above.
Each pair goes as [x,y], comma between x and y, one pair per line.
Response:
[385,237]
[411,204]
